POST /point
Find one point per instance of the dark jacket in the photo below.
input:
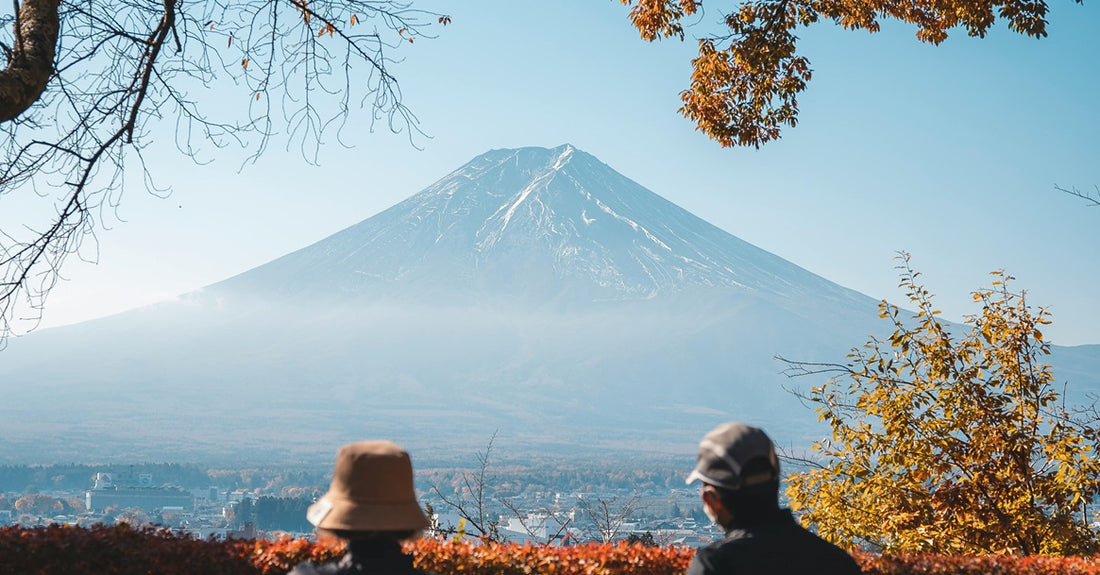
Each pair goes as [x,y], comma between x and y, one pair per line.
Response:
[776,546]
[366,557]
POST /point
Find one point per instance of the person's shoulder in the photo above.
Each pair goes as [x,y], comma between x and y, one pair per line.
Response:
[831,557]
[729,554]
[305,569]
[334,569]
[733,544]
[705,560]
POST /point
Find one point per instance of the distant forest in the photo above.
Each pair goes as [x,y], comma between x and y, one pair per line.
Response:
[506,479]
[75,477]
[271,513]
[562,476]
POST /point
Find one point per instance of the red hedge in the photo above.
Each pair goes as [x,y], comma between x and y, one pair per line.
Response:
[122,550]
[114,550]
[511,559]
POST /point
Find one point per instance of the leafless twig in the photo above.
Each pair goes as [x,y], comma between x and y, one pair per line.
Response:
[1093,197]
[473,504]
[118,68]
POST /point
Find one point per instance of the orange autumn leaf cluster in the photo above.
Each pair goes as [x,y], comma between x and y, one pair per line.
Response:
[116,550]
[303,8]
[279,557]
[657,19]
[588,559]
[746,79]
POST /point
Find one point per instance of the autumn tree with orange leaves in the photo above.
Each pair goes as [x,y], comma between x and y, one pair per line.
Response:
[746,80]
[951,445]
[38,504]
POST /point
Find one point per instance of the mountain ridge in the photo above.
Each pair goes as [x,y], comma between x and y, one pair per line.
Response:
[532,292]
[526,212]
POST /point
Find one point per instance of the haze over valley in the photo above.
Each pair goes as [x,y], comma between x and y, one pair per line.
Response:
[536,293]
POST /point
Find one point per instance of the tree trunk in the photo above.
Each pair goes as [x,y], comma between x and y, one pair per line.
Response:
[30,64]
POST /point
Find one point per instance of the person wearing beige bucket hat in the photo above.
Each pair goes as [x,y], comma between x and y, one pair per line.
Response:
[372,505]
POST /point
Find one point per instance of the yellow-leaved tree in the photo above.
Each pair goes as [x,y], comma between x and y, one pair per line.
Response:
[951,445]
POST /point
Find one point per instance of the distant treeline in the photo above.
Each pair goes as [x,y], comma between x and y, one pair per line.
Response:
[510,480]
[75,477]
[70,477]
[506,479]
[273,513]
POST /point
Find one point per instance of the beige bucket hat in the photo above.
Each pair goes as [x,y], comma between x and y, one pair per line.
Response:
[371,490]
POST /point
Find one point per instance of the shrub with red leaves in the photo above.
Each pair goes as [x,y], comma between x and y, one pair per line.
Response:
[115,550]
[278,557]
[509,559]
[123,550]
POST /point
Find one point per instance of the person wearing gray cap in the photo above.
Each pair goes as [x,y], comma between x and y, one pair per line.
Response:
[372,505]
[739,470]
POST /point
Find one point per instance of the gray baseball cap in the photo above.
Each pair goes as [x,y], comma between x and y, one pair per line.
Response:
[727,449]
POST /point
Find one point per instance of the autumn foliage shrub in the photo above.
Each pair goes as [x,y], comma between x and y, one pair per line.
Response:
[278,557]
[115,550]
[513,559]
[123,550]
[970,565]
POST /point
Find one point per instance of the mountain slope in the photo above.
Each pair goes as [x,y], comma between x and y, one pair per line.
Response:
[535,293]
[532,224]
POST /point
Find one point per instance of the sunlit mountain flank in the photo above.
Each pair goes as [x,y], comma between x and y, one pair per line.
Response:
[532,292]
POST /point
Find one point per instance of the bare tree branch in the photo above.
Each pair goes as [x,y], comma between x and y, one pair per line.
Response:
[87,81]
[607,515]
[475,509]
[535,524]
[1093,197]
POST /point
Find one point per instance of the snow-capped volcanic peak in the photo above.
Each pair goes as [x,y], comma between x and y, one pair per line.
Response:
[538,222]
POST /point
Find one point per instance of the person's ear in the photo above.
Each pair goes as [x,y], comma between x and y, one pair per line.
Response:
[712,504]
[711,499]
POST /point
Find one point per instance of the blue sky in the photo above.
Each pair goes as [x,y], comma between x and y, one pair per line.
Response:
[950,153]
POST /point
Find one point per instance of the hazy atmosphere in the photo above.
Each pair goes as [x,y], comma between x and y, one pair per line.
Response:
[950,152]
[476,251]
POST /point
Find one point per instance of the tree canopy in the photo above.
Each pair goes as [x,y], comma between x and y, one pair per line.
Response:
[951,445]
[746,80]
[86,79]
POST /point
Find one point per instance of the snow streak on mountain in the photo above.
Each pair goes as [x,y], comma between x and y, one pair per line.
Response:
[533,223]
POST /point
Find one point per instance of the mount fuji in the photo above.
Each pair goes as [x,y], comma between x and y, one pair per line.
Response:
[533,293]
